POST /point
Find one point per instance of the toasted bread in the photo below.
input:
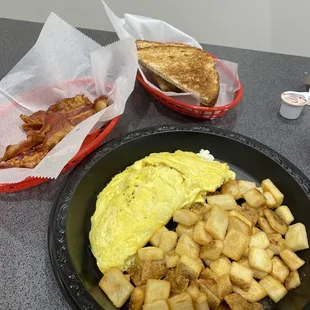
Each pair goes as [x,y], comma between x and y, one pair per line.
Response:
[145,44]
[188,68]
[162,84]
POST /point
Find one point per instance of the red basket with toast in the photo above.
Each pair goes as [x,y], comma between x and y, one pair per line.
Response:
[201,112]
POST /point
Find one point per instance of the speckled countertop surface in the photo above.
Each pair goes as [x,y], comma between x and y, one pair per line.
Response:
[26,279]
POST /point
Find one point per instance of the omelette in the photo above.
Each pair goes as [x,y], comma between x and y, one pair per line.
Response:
[140,200]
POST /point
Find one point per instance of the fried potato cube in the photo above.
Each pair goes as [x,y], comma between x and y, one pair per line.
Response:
[206,216]
[171,259]
[237,224]
[137,298]
[213,300]
[275,290]
[193,291]
[182,301]
[156,238]
[241,275]
[246,252]
[156,290]
[135,273]
[254,198]
[224,286]
[279,270]
[245,186]
[221,266]
[187,246]
[255,230]
[200,208]
[138,261]
[200,235]
[157,305]
[178,283]
[270,201]
[260,240]
[250,213]
[200,261]
[168,240]
[257,274]
[296,237]
[207,273]
[260,189]
[116,287]
[235,244]
[211,284]
[231,188]
[217,223]
[241,217]
[236,302]
[270,253]
[153,270]
[151,253]
[261,211]
[291,259]
[276,222]
[285,213]
[292,281]
[277,243]
[259,259]
[264,226]
[224,201]
[212,250]
[185,217]
[201,302]
[188,268]
[268,186]
[184,230]
[207,262]
[254,293]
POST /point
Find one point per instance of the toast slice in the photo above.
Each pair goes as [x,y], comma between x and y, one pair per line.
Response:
[188,68]
[146,44]
[162,84]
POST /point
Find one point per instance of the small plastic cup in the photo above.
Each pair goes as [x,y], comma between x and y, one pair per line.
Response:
[292,104]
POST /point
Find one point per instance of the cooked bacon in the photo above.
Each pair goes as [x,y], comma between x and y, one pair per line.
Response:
[23,146]
[59,126]
[45,129]
[69,104]
[26,160]
[80,114]
[35,118]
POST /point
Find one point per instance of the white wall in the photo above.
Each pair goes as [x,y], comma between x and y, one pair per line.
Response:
[269,25]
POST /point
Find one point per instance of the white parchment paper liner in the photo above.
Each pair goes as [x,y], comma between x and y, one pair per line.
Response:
[63,63]
[145,28]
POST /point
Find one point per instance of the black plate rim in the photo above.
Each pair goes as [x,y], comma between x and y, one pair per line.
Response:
[74,292]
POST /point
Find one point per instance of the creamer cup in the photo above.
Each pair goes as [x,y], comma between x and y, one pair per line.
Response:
[292,104]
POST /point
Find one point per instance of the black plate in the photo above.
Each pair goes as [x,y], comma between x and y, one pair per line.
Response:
[72,262]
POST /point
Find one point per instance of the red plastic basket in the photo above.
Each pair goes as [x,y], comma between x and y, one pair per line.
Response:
[90,143]
[191,110]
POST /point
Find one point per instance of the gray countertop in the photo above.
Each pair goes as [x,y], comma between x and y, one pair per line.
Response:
[26,279]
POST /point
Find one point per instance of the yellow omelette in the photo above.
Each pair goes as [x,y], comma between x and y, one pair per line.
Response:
[143,198]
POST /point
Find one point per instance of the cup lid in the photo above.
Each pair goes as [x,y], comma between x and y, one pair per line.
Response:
[294,98]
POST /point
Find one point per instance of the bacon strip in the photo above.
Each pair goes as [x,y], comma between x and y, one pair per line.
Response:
[45,129]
